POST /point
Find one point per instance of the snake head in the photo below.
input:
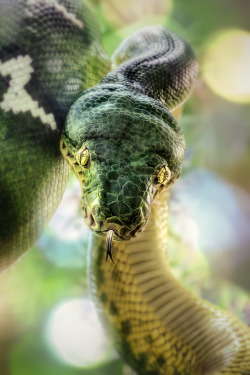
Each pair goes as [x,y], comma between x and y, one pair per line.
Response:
[124,147]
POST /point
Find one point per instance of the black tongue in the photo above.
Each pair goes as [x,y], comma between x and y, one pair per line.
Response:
[109,239]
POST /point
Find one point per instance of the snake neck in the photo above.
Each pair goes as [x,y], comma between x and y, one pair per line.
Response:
[159,327]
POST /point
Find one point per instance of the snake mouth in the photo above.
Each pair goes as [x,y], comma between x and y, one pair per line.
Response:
[122,235]
[116,236]
[122,231]
[101,228]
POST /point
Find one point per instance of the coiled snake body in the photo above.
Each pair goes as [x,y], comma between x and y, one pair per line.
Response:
[123,142]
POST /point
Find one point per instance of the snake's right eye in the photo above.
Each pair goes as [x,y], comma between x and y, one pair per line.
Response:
[163,175]
[82,157]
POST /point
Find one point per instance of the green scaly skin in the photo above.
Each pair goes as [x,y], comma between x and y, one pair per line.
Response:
[49,54]
[54,49]
[119,182]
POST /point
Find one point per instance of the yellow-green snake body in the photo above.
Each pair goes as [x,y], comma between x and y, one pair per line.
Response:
[160,327]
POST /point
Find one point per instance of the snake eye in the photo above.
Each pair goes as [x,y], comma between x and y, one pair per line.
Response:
[82,156]
[163,175]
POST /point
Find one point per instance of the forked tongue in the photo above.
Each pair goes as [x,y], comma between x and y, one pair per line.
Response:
[109,240]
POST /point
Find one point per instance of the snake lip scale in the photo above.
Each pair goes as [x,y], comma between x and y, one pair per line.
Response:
[61,106]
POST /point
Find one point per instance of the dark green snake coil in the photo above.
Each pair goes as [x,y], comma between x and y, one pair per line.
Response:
[116,126]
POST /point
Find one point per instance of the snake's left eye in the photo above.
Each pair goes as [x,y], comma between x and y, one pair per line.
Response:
[163,175]
[82,156]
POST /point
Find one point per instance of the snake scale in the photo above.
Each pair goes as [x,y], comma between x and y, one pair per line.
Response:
[116,126]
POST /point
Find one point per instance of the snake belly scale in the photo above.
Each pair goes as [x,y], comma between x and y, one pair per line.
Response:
[60,103]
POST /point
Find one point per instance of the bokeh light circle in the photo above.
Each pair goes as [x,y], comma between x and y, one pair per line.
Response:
[75,335]
[226,67]
[127,12]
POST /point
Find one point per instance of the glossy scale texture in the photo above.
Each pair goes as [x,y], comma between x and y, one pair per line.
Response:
[50,53]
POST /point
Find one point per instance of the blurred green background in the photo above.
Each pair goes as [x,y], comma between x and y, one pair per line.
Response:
[48,325]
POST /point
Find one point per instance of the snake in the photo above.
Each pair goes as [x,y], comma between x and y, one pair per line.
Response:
[65,105]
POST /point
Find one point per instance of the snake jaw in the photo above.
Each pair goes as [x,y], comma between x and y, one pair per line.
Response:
[109,240]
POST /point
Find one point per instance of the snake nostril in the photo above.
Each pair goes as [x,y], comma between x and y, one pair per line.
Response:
[137,230]
[91,220]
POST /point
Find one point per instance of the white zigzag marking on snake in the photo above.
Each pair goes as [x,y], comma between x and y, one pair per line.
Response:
[61,9]
[16,98]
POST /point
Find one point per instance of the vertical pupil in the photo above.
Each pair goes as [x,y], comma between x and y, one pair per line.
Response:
[163,175]
[83,156]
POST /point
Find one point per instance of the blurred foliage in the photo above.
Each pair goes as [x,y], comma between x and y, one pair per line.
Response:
[30,356]
[217,136]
